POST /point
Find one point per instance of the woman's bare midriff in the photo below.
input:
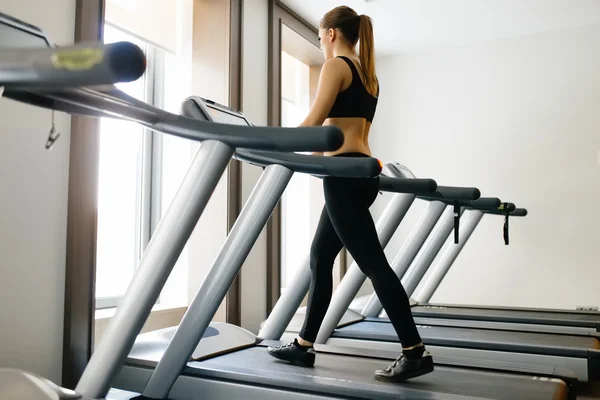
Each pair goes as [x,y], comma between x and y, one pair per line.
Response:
[356,135]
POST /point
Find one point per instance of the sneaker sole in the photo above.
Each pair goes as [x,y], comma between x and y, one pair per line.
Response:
[295,362]
[396,379]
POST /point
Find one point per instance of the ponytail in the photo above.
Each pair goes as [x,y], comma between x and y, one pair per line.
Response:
[367,54]
[355,28]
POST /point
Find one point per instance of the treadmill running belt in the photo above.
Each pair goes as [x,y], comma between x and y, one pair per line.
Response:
[352,377]
[485,339]
[510,315]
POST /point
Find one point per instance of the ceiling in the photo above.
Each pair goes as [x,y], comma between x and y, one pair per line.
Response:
[408,25]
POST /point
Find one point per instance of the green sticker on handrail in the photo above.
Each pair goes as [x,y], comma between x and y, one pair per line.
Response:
[77,59]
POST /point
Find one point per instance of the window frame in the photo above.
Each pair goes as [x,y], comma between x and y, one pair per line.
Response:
[80,272]
[280,14]
[80,268]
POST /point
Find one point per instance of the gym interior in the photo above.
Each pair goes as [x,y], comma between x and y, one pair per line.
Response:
[149,248]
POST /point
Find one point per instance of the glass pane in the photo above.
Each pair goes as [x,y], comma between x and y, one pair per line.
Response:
[176,157]
[296,228]
[118,185]
[176,152]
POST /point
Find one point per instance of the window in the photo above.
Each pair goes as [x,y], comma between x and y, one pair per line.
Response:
[118,192]
[176,155]
[295,215]
[141,170]
[129,201]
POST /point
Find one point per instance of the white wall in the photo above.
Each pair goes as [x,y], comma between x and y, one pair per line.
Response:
[210,54]
[33,215]
[255,108]
[519,119]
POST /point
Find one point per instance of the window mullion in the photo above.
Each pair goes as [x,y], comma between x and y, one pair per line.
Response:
[158,99]
[145,176]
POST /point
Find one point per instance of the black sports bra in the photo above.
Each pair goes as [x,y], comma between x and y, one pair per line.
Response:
[355,101]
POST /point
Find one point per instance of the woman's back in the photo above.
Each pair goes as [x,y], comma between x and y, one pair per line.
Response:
[353,109]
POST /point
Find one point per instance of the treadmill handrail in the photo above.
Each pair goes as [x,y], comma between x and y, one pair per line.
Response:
[84,64]
[518,212]
[483,203]
[451,193]
[351,167]
[510,207]
[109,101]
[407,185]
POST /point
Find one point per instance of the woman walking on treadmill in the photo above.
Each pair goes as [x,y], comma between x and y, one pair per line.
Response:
[347,97]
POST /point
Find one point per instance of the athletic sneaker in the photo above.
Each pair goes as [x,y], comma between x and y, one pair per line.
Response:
[294,353]
[404,368]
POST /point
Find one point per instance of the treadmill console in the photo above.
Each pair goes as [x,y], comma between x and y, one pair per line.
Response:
[205,109]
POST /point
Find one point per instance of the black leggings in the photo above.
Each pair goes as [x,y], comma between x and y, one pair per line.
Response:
[346,221]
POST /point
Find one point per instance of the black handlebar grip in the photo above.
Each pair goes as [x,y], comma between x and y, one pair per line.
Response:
[486,203]
[510,207]
[407,185]
[127,61]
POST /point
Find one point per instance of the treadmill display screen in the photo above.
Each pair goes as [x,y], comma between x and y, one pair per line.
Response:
[13,37]
[224,117]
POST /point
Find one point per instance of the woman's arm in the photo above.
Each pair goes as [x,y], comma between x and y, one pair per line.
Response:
[330,84]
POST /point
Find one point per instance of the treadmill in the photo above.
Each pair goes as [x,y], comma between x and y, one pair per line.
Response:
[571,356]
[66,79]
[219,140]
[199,359]
[508,318]
[504,318]
[498,318]
[511,318]
[528,319]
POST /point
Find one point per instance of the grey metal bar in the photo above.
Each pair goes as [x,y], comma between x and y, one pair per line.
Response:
[79,65]
[354,278]
[288,303]
[409,250]
[159,259]
[413,244]
[448,257]
[225,268]
[412,277]
[453,250]
[429,251]
[290,300]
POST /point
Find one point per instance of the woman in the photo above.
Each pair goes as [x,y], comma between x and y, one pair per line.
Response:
[347,97]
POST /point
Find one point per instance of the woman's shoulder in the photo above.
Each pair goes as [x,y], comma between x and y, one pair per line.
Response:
[335,67]
[337,62]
